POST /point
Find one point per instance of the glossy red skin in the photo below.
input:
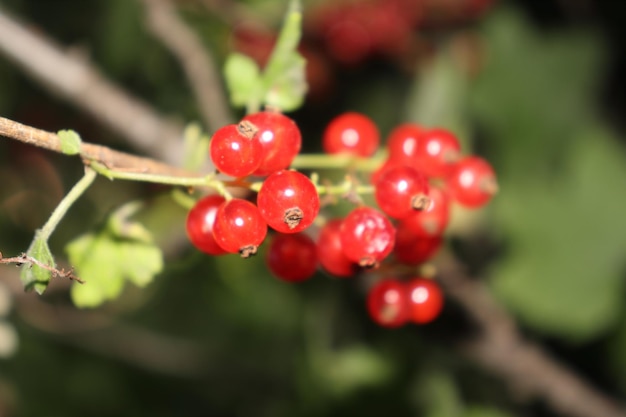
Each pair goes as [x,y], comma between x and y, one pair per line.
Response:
[402,143]
[280,140]
[351,133]
[292,257]
[388,303]
[367,236]
[330,253]
[436,152]
[233,153]
[414,250]
[433,220]
[284,190]
[238,224]
[200,221]
[471,182]
[425,300]
[395,189]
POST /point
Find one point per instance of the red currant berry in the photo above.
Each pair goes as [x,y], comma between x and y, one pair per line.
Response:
[436,152]
[292,257]
[288,201]
[235,150]
[425,300]
[239,227]
[402,143]
[401,190]
[200,221]
[330,253]
[367,236]
[414,250]
[433,220]
[280,139]
[388,304]
[351,133]
[472,182]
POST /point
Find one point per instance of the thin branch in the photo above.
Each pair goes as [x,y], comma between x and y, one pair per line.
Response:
[197,63]
[108,157]
[24,259]
[82,85]
[524,365]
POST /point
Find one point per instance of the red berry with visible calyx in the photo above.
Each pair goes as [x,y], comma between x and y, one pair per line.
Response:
[235,150]
[330,253]
[472,182]
[239,227]
[351,133]
[280,139]
[431,221]
[388,304]
[425,300]
[367,236]
[402,143]
[411,249]
[288,201]
[200,221]
[292,257]
[401,191]
[437,150]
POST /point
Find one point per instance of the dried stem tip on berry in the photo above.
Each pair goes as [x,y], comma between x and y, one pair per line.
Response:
[293,216]
[248,251]
[247,129]
[420,202]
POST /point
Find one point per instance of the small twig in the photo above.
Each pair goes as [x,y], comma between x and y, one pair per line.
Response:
[24,259]
[197,63]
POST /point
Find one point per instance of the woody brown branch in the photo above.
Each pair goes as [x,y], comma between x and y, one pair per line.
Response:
[108,157]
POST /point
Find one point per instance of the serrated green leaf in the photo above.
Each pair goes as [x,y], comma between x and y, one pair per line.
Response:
[33,276]
[107,258]
[243,79]
[70,142]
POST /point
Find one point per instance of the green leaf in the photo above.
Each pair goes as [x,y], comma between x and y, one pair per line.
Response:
[33,276]
[120,250]
[566,237]
[284,78]
[243,79]
[196,145]
[70,142]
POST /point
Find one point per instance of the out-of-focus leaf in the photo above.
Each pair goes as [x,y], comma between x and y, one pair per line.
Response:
[243,79]
[534,94]
[33,276]
[438,395]
[121,250]
[563,272]
[353,368]
[282,84]
[484,411]
[196,145]
[70,142]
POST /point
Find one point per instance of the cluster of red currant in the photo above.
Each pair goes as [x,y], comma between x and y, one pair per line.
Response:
[422,174]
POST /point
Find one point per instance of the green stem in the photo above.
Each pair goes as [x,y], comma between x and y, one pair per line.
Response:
[326,161]
[159,179]
[59,212]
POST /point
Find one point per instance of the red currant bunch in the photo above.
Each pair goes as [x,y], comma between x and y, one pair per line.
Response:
[413,182]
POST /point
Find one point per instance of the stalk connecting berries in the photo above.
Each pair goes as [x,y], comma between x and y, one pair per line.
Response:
[414,188]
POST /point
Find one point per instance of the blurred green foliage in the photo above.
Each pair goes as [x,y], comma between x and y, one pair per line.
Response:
[221,337]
